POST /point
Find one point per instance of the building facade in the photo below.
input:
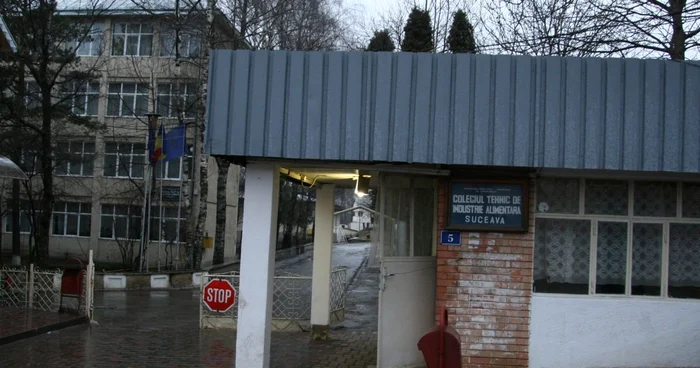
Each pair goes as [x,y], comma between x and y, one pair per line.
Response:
[548,204]
[99,177]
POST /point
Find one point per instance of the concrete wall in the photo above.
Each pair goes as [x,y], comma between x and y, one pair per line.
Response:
[588,331]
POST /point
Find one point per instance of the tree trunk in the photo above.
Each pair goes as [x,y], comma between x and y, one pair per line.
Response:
[16,241]
[678,37]
[220,234]
[44,222]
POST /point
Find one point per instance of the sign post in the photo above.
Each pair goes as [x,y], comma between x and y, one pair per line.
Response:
[219,295]
[480,205]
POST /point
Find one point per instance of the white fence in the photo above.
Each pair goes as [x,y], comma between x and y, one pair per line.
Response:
[291,301]
[37,289]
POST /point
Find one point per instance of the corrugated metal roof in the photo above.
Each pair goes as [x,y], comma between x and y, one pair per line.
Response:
[553,112]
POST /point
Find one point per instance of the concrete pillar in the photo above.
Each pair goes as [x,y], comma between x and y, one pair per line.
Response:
[323,252]
[257,266]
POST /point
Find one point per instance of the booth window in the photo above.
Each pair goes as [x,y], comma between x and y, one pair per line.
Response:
[617,237]
[408,204]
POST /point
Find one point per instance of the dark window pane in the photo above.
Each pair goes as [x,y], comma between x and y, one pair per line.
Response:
[113,102]
[655,199]
[71,224]
[118,45]
[58,224]
[684,261]
[173,170]
[85,221]
[88,164]
[611,260]
[146,45]
[606,197]
[562,256]
[646,259]
[120,227]
[557,195]
[110,168]
[691,200]
[111,148]
[132,45]
[73,207]
[106,226]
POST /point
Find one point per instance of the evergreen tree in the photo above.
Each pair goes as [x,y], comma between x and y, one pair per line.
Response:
[381,42]
[461,38]
[418,32]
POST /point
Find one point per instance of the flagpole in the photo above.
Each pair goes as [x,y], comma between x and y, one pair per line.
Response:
[179,198]
[160,209]
[144,214]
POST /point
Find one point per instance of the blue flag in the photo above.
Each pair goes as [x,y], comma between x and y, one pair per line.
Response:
[174,143]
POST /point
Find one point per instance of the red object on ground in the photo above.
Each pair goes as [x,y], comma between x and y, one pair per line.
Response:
[440,346]
[219,295]
[72,282]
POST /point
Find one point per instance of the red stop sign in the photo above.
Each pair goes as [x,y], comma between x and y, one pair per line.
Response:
[219,295]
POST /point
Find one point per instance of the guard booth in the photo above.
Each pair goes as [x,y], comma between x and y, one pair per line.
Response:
[551,205]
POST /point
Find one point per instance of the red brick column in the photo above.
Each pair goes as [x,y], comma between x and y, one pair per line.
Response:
[486,285]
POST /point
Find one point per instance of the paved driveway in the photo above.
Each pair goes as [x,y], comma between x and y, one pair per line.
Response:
[161,329]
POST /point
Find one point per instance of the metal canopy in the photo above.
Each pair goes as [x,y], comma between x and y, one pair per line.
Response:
[444,109]
[9,169]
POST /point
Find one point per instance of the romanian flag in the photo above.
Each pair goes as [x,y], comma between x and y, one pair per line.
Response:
[157,152]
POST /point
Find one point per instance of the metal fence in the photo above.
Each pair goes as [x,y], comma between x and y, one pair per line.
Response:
[291,301]
[37,289]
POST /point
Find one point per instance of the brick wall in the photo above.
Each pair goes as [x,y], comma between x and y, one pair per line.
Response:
[486,285]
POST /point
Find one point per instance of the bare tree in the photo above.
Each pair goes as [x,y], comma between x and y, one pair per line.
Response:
[545,27]
[47,55]
[651,27]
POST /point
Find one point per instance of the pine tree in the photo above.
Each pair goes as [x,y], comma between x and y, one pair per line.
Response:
[381,42]
[461,38]
[418,32]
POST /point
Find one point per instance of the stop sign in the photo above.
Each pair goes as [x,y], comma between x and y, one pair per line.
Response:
[219,295]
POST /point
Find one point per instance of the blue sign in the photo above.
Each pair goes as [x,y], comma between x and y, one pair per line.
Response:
[488,206]
[450,237]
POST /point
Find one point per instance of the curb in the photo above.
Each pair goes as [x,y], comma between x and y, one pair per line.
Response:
[357,272]
[44,329]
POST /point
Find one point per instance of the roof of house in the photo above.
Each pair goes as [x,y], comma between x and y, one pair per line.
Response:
[7,39]
[455,109]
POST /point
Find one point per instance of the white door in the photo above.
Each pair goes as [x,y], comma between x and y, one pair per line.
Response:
[408,269]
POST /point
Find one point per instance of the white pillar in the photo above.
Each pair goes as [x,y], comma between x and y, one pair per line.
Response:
[257,266]
[323,252]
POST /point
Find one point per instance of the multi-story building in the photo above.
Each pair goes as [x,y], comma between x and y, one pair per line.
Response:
[100,180]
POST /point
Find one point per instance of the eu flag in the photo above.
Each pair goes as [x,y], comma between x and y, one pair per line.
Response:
[174,143]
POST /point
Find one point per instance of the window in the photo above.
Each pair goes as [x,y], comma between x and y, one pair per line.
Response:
[127,99]
[171,169]
[169,105]
[409,203]
[132,39]
[124,160]
[190,44]
[83,98]
[30,161]
[91,44]
[168,228]
[71,219]
[26,220]
[609,237]
[75,158]
[32,95]
[120,222]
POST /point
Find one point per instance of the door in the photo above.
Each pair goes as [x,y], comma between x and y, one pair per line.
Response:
[408,268]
